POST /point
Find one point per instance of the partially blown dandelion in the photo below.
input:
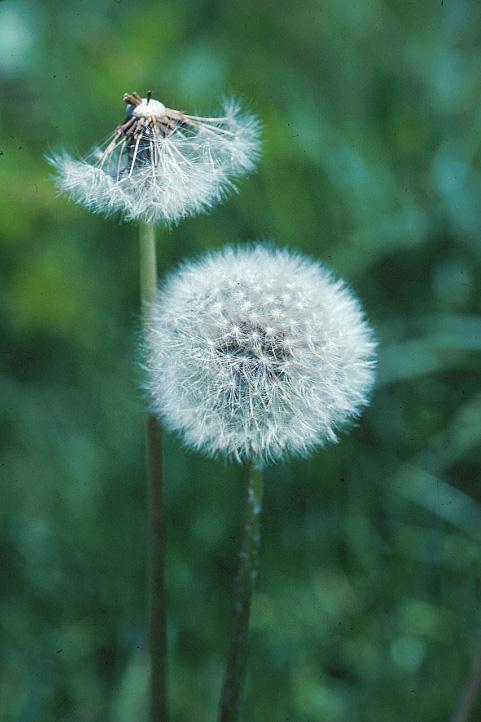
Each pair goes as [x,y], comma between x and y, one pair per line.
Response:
[161,164]
[258,353]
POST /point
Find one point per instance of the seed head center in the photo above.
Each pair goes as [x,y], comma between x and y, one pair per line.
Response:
[253,344]
[149,108]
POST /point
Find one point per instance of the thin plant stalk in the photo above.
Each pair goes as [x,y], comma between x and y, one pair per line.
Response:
[470,696]
[156,593]
[243,590]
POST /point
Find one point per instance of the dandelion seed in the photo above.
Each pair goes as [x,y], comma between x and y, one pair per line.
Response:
[161,165]
[240,368]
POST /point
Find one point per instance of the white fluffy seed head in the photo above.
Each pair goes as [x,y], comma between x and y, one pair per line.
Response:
[257,353]
[162,165]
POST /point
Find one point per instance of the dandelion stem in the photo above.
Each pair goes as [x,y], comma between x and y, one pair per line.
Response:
[467,702]
[157,611]
[243,589]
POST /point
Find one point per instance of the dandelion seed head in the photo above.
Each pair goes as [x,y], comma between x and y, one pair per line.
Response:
[239,369]
[161,165]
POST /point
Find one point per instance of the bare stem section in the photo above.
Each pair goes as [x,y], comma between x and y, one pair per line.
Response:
[470,696]
[157,610]
[243,590]
[147,266]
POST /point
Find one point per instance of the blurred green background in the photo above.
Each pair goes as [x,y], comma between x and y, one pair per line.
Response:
[368,599]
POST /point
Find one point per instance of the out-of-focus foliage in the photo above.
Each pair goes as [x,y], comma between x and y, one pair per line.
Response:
[367,604]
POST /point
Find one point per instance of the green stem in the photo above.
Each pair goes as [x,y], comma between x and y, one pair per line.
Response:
[467,703]
[243,590]
[157,610]
[147,265]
